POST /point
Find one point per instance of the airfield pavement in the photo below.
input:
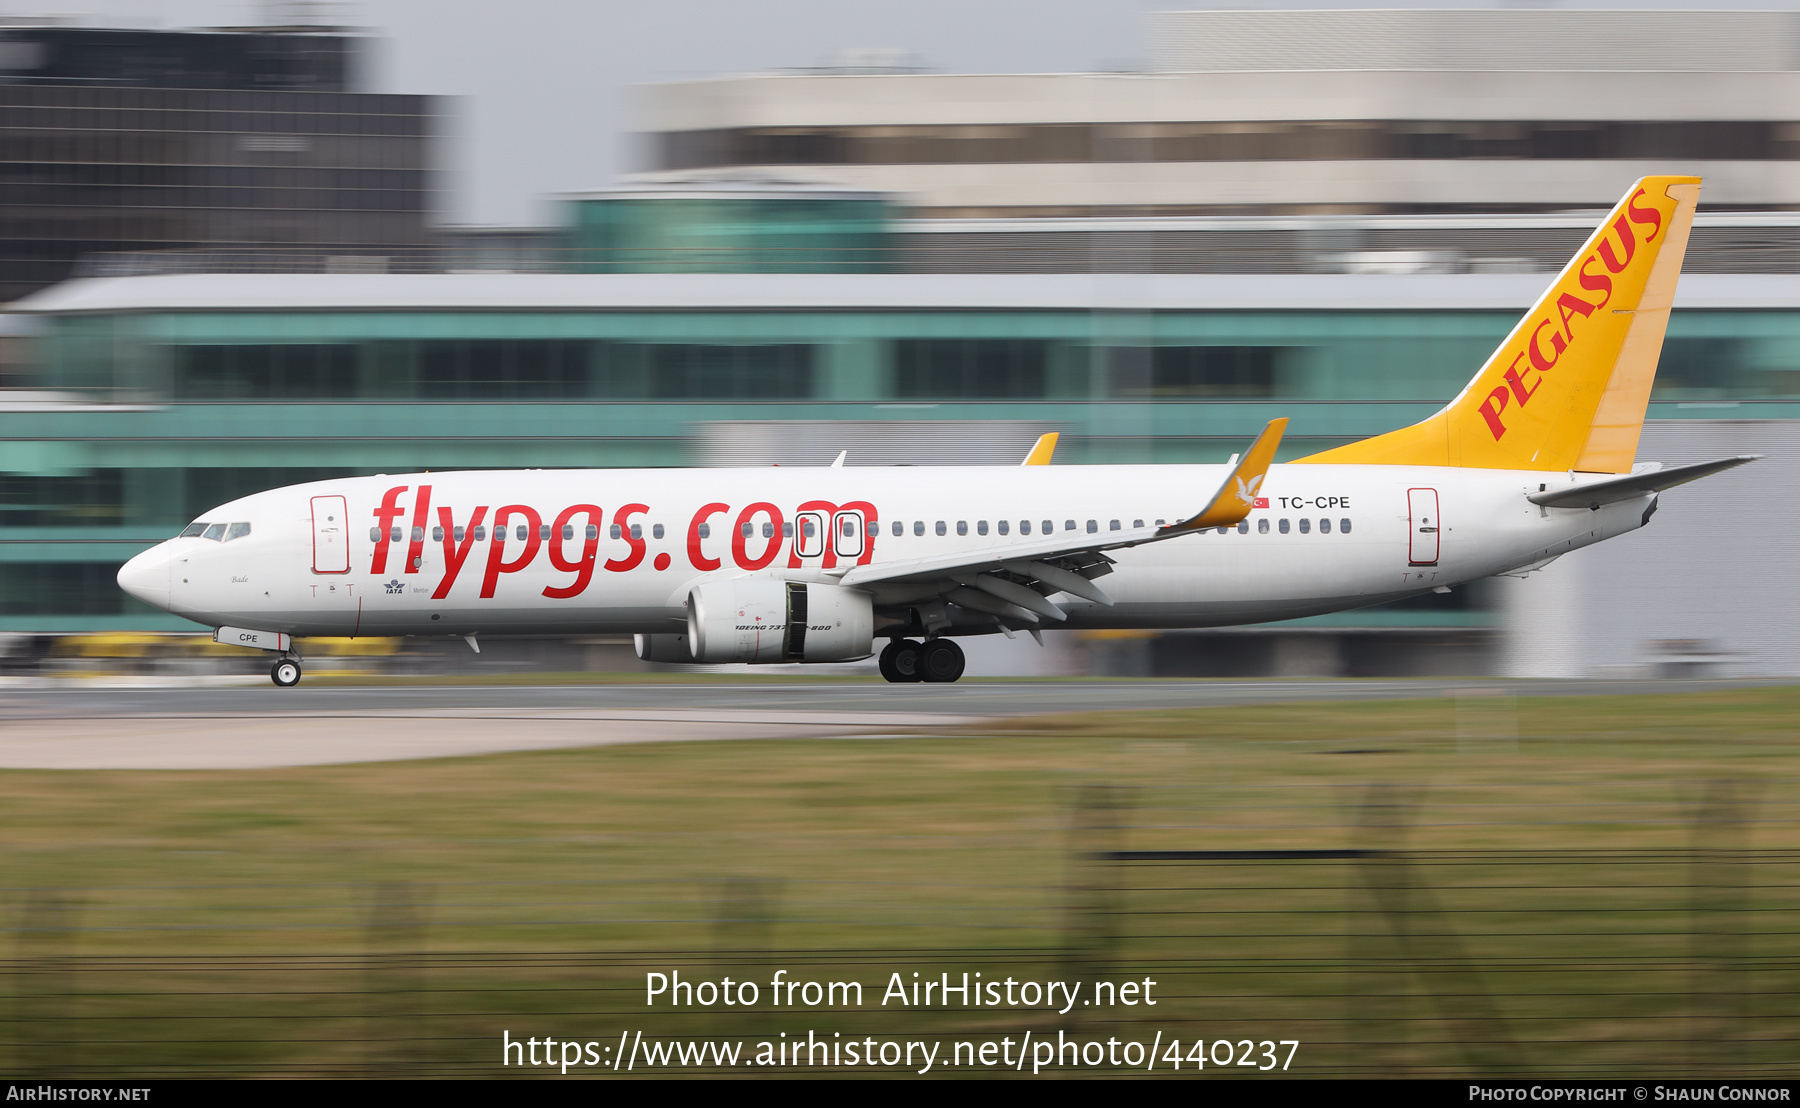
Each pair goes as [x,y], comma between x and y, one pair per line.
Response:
[94,725]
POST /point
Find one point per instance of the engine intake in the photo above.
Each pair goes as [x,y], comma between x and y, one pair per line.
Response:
[757,619]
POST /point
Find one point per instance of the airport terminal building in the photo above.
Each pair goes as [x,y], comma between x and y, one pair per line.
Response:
[745,304]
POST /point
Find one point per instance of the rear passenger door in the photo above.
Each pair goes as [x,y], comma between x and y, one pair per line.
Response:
[1423,527]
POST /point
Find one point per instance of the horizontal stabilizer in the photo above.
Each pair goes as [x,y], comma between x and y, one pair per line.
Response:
[1596,493]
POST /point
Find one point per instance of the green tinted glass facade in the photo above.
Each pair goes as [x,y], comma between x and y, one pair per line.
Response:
[787,233]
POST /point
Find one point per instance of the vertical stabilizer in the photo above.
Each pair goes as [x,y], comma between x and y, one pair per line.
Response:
[1569,386]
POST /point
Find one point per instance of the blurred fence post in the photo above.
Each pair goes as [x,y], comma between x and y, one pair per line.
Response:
[744,918]
[1718,909]
[1093,906]
[45,1030]
[394,980]
[1424,942]
[1377,981]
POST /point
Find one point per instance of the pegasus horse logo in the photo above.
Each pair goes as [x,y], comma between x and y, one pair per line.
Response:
[1246,493]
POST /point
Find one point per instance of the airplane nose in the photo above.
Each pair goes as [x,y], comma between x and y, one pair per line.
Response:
[147,576]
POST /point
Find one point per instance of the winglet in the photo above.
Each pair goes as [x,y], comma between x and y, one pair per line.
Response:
[1235,498]
[1042,449]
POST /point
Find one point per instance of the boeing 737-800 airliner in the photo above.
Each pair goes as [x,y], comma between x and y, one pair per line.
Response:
[1536,457]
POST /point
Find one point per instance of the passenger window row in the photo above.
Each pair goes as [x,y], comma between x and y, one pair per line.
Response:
[1281,526]
[217,532]
[1004,526]
[521,532]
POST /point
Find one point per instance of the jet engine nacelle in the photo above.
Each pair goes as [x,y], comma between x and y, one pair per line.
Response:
[758,619]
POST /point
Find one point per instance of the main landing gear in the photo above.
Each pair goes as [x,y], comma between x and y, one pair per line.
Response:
[285,672]
[939,661]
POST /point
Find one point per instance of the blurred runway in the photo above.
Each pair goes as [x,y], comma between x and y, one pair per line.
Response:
[250,728]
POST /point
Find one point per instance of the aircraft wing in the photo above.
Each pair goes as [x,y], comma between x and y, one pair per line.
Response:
[1012,579]
[1595,493]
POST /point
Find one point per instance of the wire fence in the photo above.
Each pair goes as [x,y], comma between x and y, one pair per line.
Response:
[1377,958]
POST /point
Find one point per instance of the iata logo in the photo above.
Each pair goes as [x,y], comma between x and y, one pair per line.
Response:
[1551,338]
[394,587]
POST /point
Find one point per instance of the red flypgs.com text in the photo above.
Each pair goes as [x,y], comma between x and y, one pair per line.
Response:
[1550,338]
[751,538]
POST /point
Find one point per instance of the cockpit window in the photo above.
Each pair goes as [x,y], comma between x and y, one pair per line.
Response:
[194,530]
[216,532]
[237,531]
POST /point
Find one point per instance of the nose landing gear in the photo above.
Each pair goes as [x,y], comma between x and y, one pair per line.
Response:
[939,661]
[285,672]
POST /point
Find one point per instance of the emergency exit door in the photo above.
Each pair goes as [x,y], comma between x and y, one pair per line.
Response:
[1423,526]
[331,535]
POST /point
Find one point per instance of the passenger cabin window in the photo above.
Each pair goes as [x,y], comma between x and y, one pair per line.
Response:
[195,530]
[593,530]
[1112,525]
[637,530]
[395,535]
[811,542]
[918,527]
[215,532]
[981,527]
[543,532]
[899,528]
[1282,527]
[522,532]
[704,530]
[1324,527]
[458,533]
[1093,526]
[768,530]
[1002,526]
[656,532]
[418,534]
[239,530]
[1343,527]
[1049,527]
[568,531]
[1137,523]
[437,534]
[941,528]
[1262,526]
[850,535]
[1305,525]
[481,533]
[1222,530]
[1243,527]
[1068,525]
[618,532]
[962,526]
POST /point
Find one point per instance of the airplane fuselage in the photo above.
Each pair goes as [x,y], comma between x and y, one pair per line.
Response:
[618,551]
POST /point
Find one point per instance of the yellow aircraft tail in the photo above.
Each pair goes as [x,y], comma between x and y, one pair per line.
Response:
[1568,388]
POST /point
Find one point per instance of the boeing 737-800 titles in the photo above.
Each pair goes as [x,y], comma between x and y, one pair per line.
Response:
[1536,457]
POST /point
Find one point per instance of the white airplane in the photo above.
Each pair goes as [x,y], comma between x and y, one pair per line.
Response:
[1534,458]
